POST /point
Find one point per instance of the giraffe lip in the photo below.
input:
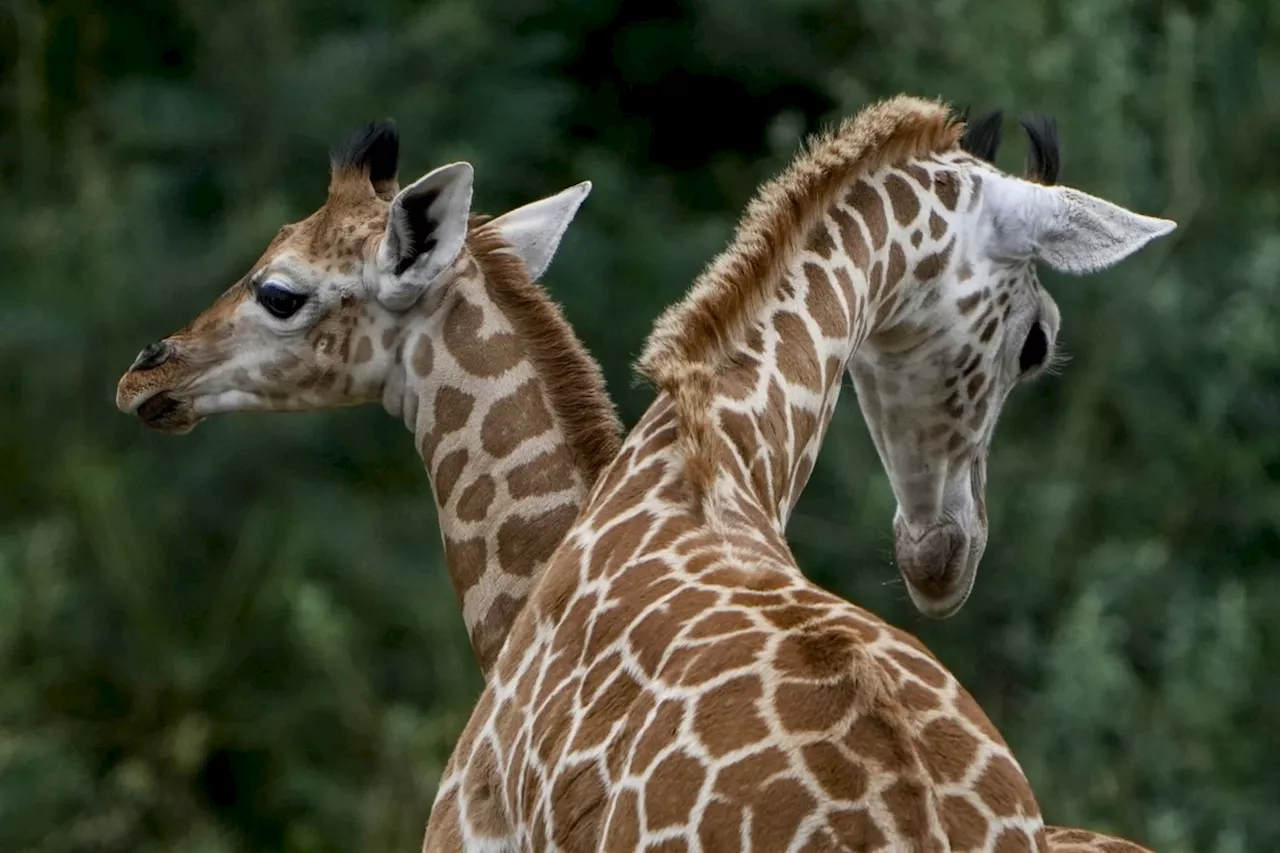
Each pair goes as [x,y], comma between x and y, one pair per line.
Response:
[933,564]
[166,413]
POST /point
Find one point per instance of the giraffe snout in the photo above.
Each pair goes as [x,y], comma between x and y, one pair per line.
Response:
[937,566]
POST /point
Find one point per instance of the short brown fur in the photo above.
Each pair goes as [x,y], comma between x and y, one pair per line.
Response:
[692,337]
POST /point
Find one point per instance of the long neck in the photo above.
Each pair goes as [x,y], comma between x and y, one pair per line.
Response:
[513,425]
[869,261]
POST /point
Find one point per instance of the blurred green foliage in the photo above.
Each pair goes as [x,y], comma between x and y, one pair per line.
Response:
[243,639]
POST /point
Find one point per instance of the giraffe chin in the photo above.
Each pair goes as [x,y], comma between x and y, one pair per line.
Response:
[939,568]
[164,412]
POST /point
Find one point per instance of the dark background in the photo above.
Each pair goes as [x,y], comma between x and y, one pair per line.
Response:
[244,639]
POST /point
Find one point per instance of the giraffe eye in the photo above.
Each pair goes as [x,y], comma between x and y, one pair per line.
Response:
[1034,349]
[280,302]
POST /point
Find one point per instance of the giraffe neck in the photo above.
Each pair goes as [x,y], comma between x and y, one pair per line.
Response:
[511,448]
[870,260]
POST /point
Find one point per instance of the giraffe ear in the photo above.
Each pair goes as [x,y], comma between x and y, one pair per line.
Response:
[1070,230]
[534,230]
[426,229]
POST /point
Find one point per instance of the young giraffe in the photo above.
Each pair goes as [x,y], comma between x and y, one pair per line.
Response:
[675,683]
[375,153]
[403,296]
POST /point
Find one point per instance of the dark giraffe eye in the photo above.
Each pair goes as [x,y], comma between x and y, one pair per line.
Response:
[1034,349]
[280,302]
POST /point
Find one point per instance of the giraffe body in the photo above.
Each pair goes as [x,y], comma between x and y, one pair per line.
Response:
[675,682]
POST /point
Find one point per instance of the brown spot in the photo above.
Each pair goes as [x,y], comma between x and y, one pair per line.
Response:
[488,635]
[937,226]
[726,717]
[902,198]
[515,419]
[975,384]
[1013,841]
[932,266]
[989,329]
[822,303]
[364,351]
[448,472]
[866,200]
[474,503]
[820,242]
[389,337]
[920,174]
[917,237]
[876,281]
[578,802]
[967,304]
[897,265]
[466,559]
[797,357]
[964,272]
[841,778]
[524,544]
[423,356]
[808,707]
[481,784]
[720,828]
[453,410]
[966,827]
[544,475]
[908,802]
[671,790]
[946,187]
[779,807]
[949,749]
[855,245]
[484,357]
[818,654]
[917,699]
[1003,788]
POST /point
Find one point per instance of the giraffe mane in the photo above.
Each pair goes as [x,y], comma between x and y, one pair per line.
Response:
[694,336]
[575,383]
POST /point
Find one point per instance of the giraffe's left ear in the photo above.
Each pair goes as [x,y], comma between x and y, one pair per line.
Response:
[1070,230]
[426,229]
[534,230]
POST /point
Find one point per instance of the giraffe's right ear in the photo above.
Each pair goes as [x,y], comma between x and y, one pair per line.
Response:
[426,229]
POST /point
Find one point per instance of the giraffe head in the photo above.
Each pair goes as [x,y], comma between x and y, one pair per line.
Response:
[317,320]
[932,379]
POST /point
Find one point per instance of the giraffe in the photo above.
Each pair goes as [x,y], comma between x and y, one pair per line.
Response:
[331,274]
[401,295]
[674,681]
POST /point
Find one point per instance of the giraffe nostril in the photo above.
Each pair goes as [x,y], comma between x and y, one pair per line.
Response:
[152,356]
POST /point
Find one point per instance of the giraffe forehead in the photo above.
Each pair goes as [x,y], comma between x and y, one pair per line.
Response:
[337,237]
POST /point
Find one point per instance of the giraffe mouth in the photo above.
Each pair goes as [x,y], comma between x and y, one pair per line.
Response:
[938,567]
[164,412]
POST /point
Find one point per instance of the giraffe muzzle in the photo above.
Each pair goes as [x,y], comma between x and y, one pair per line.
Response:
[938,567]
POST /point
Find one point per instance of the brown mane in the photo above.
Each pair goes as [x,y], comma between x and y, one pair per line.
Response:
[575,384]
[691,338]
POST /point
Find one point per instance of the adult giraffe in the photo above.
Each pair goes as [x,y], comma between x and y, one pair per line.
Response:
[675,683]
